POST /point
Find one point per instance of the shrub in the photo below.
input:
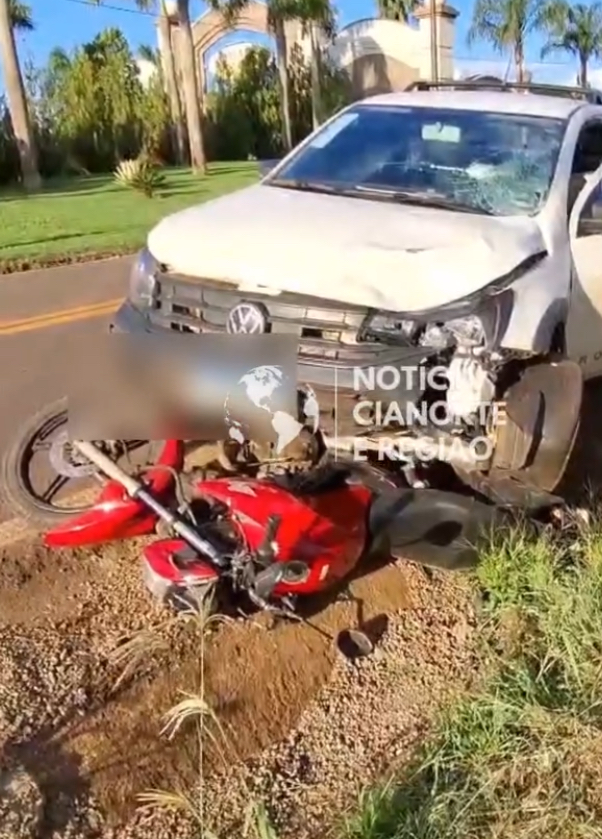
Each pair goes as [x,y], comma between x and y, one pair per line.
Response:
[140,175]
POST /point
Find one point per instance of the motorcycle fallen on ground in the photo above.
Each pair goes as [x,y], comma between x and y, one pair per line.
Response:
[275,541]
[276,535]
[269,541]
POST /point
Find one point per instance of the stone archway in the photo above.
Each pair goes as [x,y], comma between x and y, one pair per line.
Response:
[211,26]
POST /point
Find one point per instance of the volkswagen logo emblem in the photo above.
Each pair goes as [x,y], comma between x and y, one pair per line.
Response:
[246,319]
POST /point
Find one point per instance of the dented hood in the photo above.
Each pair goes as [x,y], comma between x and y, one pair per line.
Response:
[359,251]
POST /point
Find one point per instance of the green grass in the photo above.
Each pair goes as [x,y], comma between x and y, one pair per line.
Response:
[95,215]
[522,757]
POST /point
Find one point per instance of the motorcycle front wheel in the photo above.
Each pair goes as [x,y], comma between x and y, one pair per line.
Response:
[44,479]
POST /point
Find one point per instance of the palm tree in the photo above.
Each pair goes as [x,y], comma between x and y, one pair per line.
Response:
[167,68]
[279,11]
[191,96]
[506,24]
[190,86]
[310,13]
[20,15]
[163,61]
[397,9]
[15,15]
[316,15]
[277,16]
[576,29]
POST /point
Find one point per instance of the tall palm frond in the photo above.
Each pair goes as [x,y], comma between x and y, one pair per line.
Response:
[21,16]
[575,29]
[506,25]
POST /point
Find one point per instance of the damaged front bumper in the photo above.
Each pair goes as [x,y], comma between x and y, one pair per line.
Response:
[519,461]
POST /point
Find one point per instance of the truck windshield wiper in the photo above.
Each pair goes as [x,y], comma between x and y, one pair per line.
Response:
[423,199]
[309,186]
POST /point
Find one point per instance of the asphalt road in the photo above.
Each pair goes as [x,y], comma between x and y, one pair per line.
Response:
[52,327]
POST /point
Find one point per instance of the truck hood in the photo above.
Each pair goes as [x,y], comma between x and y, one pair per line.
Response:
[357,251]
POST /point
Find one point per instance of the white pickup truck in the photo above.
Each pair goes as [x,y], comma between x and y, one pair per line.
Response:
[451,226]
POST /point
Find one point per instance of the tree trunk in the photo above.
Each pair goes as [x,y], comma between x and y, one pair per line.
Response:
[519,61]
[191,90]
[17,102]
[583,70]
[171,83]
[282,60]
[316,92]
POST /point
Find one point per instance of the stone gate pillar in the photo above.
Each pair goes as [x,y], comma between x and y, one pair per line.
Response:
[445,17]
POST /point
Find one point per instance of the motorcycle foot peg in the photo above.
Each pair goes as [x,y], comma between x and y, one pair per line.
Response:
[267,580]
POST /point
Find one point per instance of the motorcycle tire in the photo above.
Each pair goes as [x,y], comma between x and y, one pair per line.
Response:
[439,529]
[15,491]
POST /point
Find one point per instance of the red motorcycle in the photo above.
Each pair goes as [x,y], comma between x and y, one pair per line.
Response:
[269,541]
[276,540]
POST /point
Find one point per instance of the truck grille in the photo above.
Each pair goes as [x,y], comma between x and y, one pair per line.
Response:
[323,329]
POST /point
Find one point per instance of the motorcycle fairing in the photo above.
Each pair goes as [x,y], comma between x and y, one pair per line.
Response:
[326,530]
[115,515]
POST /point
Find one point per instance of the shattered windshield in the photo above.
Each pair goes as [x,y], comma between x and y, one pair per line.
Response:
[495,163]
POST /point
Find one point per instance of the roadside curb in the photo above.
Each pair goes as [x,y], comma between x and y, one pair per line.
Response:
[12,268]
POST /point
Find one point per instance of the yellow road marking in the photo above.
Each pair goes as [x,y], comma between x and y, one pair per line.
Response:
[56,318]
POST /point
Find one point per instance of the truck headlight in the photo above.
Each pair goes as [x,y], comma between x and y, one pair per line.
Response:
[465,332]
[466,323]
[143,279]
[393,325]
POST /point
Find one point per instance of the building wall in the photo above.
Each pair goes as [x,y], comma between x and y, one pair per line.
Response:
[386,55]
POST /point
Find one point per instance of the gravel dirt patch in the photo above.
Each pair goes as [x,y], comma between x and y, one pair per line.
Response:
[366,718]
[304,728]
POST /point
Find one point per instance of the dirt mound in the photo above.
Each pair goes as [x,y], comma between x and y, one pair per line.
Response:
[258,680]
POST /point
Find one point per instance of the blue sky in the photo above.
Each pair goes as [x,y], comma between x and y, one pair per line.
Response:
[67,23]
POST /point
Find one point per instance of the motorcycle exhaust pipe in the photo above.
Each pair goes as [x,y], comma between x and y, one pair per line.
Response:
[135,489]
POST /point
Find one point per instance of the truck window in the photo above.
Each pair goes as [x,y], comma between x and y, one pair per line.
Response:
[587,158]
[590,219]
[588,151]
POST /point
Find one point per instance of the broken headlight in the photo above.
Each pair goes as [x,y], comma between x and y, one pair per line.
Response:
[467,324]
[143,281]
[464,332]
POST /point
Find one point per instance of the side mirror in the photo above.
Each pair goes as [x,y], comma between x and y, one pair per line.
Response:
[266,166]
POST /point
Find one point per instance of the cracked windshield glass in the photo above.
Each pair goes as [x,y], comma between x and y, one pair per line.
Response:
[493,163]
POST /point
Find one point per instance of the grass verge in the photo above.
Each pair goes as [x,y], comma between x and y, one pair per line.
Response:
[80,219]
[522,756]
